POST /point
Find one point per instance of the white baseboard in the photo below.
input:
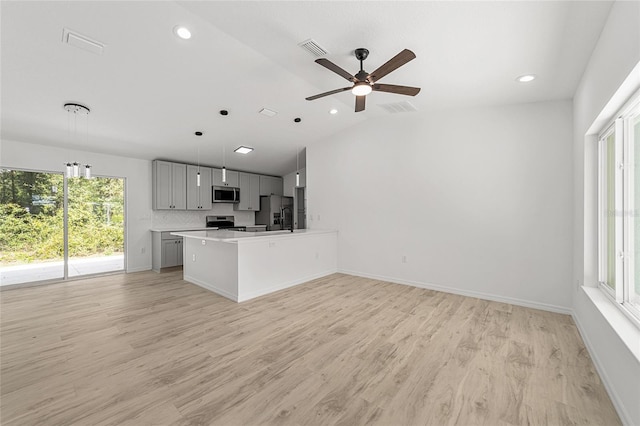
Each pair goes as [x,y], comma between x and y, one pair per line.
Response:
[262,292]
[462,292]
[139,269]
[210,287]
[615,399]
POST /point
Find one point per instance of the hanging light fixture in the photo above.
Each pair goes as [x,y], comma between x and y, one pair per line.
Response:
[73,169]
[297,167]
[224,169]
[198,174]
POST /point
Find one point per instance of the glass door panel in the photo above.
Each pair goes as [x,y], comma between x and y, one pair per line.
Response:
[31,226]
[96,225]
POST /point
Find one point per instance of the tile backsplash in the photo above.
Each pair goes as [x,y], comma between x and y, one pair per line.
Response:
[169,218]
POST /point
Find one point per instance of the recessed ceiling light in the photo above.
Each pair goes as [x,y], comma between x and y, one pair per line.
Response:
[182,32]
[526,78]
[333,111]
[243,150]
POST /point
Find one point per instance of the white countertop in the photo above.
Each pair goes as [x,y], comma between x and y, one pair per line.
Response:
[235,236]
[181,228]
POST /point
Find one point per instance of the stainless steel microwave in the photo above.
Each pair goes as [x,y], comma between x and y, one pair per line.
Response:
[225,194]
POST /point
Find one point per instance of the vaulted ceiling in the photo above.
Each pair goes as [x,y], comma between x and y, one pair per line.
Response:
[149,91]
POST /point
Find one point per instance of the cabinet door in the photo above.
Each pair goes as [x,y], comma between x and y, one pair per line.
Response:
[162,186]
[171,250]
[277,186]
[254,203]
[232,178]
[265,185]
[179,184]
[205,188]
[244,181]
[193,190]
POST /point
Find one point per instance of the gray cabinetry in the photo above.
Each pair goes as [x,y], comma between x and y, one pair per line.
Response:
[271,185]
[169,186]
[249,185]
[167,250]
[198,197]
[232,178]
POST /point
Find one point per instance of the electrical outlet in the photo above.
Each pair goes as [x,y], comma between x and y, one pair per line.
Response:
[204,242]
[404,259]
[143,250]
[194,257]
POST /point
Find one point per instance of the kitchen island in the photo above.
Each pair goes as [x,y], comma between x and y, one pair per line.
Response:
[244,265]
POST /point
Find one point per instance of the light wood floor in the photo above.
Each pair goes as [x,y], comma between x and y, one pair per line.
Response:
[144,348]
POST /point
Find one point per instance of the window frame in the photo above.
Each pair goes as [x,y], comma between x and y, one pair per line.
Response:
[621,126]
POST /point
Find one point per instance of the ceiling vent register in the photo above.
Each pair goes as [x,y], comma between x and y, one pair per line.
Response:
[313,47]
[82,42]
[397,107]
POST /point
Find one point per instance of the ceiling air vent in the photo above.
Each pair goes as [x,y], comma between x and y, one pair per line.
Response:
[398,107]
[80,41]
[268,112]
[313,47]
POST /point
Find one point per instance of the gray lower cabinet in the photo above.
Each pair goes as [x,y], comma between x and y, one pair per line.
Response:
[167,250]
[249,185]
[198,197]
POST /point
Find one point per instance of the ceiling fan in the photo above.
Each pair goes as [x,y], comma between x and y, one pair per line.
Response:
[364,82]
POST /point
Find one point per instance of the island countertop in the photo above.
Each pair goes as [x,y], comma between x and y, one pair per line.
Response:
[238,236]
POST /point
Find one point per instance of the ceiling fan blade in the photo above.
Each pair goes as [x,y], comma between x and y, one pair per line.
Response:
[400,90]
[360,103]
[333,67]
[333,92]
[392,64]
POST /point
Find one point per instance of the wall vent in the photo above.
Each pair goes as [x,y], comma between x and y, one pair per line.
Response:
[83,42]
[313,47]
[398,107]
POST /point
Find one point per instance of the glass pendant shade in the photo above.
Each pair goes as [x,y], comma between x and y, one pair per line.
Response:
[76,170]
[69,170]
[87,171]
[297,179]
[224,174]
[198,179]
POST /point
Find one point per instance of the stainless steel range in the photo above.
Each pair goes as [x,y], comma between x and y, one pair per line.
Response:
[224,222]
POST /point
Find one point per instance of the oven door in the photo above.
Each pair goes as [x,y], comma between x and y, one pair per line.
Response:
[225,194]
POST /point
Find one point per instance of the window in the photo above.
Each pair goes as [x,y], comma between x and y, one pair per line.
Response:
[619,208]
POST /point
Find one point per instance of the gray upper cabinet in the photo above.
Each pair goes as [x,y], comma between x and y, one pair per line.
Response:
[198,197]
[232,178]
[249,185]
[169,186]
[270,185]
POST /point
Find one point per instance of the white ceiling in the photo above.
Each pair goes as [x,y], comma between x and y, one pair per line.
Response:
[150,91]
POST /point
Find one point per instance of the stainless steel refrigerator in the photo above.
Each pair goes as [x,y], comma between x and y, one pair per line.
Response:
[276,212]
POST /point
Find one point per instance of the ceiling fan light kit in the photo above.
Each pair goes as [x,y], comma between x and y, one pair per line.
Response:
[364,83]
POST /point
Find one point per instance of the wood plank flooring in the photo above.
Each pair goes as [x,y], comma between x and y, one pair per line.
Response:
[151,349]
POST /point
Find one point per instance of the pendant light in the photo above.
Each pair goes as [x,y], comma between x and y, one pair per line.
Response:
[297,167]
[198,174]
[72,170]
[224,169]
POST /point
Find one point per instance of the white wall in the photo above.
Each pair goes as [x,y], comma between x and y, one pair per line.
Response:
[612,61]
[137,172]
[478,200]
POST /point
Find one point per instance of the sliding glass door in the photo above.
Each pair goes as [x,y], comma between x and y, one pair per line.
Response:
[31,226]
[96,225]
[33,243]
